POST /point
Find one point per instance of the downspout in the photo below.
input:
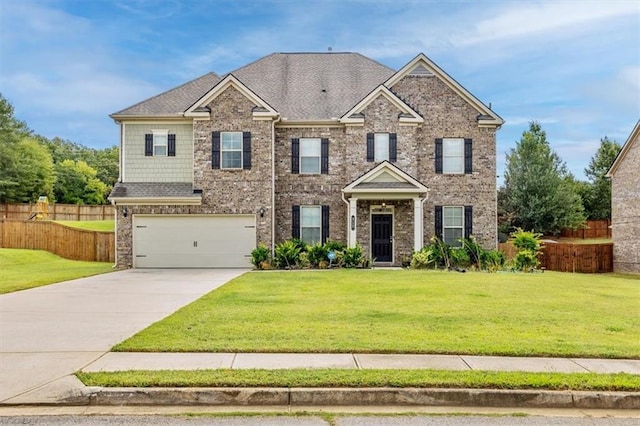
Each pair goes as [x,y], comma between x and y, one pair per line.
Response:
[273,185]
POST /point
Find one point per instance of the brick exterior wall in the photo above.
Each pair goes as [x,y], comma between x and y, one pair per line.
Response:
[245,191]
[625,214]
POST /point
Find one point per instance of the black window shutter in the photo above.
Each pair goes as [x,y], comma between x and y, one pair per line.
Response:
[171,145]
[370,147]
[468,221]
[295,222]
[325,224]
[393,147]
[468,156]
[215,150]
[246,150]
[438,222]
[439,156]
[324,156]
[295,155]
[148,145]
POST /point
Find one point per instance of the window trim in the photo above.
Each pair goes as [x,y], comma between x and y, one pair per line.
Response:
[300,156]
[319,227]
[461,227]
[156,133]
[461,157]
[223,150]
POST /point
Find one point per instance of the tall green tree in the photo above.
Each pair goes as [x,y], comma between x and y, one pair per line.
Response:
[597,194]
[77,184]
[26,167]
[539,193]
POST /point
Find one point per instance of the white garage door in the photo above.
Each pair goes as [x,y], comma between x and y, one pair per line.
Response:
[193,241]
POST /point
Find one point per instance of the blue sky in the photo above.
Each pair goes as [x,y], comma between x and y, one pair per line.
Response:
[573,65]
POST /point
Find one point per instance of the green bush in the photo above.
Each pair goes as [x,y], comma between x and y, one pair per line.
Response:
[474,251]
[287,254]
[352,257]
[459,258]
[317,253]
[493,260]
[526,261]
[526,240]
[335,246]
[260,256]
[423,259]
[441,252]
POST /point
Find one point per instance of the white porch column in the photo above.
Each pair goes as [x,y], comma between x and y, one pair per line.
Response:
[418,228]
[353,221]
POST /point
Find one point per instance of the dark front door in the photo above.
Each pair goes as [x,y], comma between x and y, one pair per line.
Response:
[381,242]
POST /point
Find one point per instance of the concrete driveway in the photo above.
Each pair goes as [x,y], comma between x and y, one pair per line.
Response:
[50,332]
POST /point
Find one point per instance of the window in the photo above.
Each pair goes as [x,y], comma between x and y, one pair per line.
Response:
[382,147]
[160,143]
[231,150]
[453,225]
[453,156]
[310,156]
[310,224]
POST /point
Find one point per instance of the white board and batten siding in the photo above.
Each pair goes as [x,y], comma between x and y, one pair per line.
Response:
[188,241]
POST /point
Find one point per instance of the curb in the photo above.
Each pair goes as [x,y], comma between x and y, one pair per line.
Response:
[353,397]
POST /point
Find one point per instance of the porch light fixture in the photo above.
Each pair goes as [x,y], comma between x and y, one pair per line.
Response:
[384,205]
[125,212]
[261,211]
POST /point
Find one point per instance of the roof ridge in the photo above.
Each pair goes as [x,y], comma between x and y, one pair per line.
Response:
[165,92]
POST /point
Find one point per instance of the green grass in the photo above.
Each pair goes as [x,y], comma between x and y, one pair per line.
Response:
[90,225]
[364,378]
[383,311]
[22,269]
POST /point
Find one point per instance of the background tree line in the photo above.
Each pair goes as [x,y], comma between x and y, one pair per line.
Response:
[67,172]
[540,194]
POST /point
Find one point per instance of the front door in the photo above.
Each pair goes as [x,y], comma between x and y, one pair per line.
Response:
[381,238]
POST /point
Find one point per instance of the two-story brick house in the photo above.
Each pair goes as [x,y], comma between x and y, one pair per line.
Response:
[310,145]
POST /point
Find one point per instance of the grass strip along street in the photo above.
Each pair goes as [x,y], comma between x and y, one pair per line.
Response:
[408,311]
[330,378]
[23,269]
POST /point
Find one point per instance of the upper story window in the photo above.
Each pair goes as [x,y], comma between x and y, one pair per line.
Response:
[454,156]
[381,147]
[231,149]
[160,143]
[310,156]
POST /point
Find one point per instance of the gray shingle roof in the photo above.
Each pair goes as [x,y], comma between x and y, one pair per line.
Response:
[307,86]
[152,189]
[300,86]
[174,101]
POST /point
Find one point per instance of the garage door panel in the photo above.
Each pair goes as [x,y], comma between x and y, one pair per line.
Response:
[193,241]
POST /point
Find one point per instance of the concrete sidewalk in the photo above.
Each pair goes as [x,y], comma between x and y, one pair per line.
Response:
[123,361]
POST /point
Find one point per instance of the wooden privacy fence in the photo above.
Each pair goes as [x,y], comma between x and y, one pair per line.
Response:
[592,229]
[67,242]
[567,257]
[58,211]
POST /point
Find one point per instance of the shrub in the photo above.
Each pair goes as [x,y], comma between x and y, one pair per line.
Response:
[493,260]
[335,246]
[300,244]
[317,253]
[423,258]
[526,261]
[441,252]
[303,260]
[352,257]
[260,256]
[526,240]
[459,258]
[474,251]
[287,254]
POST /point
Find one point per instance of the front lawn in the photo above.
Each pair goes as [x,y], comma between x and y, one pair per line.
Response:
[385,311]
[22,269]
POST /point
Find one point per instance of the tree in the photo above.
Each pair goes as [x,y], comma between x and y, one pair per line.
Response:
[77,184]
[597,193]
[26,167]
[539,194]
